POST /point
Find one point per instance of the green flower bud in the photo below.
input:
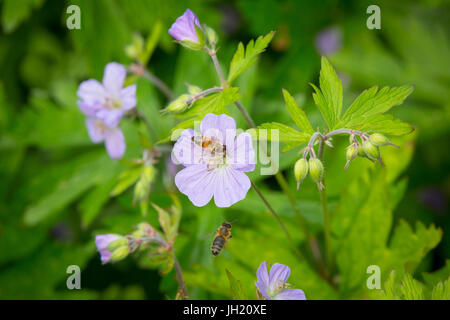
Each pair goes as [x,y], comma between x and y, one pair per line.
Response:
[135,49]
[352,153]
[113,245]
[193,90]
[371,151]
[211,36]
[178,105]
[300,171]
[119,254]
[191,45]
[316,169]
[379,140]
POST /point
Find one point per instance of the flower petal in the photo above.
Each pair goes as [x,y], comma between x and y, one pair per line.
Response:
[197,183]
[242,156]
[221,127]
[290,294]
[263,276]
[89,109]
[115,143]
[184,27]
[128,97]
[185,151]
[103,240]
[263,290]
[231,186]
[96,129]
[110,117]
[113,78]
[278,273]
[91,91]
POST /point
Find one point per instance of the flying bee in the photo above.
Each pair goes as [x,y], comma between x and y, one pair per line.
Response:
[223,234]
[213,148]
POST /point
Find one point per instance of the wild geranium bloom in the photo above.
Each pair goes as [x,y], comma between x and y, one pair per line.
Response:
[215,161]
[102,241]
[184,27]
[273,286]
[112,136]
[108,100]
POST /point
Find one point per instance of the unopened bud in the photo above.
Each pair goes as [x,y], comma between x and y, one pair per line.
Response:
[352,153]
[300,171]
[211,36]
[371,151]
[178,105]
[120,253]
[379,140]
[316,170]
[113,245]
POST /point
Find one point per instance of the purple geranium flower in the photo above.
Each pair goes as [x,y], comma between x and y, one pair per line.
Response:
[102,241]
[329,40]
[113,137]
[108,100]
[215,161]
[273,286]
[184,27]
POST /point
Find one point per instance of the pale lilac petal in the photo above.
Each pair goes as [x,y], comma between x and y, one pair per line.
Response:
[242,156]
[113,78]
[184,27]
[263,290]
[91,91]
[105,255]
[231,186]
[110,117]
[115,143]
[197,183]
[128,97]
[103,240]
[262,275]
[96,129]
[279,273]
[89,109]
[290,294]
[185,151]
[221,127]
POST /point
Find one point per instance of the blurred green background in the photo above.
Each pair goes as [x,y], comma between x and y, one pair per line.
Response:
[55,184]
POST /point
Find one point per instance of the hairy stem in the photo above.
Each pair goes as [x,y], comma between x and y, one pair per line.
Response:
[179,275]
[213,55]
[159,84]
[277,218]
[202,94]
[245,114]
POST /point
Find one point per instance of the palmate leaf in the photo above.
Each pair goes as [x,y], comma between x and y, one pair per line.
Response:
[245,58]
[237,291]
[329,97]
[278,132]
[384,124]
[367,109]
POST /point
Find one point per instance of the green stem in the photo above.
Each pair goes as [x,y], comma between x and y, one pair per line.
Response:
[326,214]
[277,218]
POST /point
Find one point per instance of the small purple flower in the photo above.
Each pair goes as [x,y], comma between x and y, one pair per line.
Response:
[273,286]
[215,161]
[108,100]
[102,241]
[113,137]
[184,27]
[328,41]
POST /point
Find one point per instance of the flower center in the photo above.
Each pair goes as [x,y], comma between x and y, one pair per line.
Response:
[113,103]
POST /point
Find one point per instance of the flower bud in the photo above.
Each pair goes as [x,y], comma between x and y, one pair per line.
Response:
[113,245]
[371,151]
[135,49]
[178,105]
[379,140]
[300,171]
[119,253]
[316,169]
[352,153]
[211,36]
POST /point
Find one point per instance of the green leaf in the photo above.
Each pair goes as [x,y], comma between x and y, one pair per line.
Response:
[237,290]
[297,113]
[151,42]
[372,102]
[411,288]
[329,98]
[282,133]
[384,124]
[126,179]
[14,12]
[243,59]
